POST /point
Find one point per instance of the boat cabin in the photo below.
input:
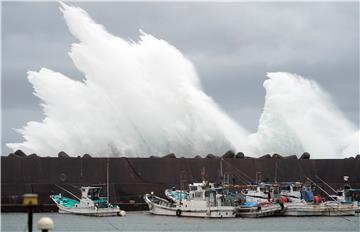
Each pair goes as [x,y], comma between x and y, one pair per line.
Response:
[90,196]
[291,190]
[205,194]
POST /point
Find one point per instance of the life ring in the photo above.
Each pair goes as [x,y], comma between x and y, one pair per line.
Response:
[178,212]
[62,177]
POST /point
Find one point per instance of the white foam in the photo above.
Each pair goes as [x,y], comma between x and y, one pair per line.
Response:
[299,116]
[137,98]
[145,98]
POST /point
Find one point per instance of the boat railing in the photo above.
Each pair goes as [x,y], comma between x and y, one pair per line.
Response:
[160,201]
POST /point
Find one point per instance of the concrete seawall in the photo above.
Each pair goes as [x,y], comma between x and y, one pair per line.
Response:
[130,178]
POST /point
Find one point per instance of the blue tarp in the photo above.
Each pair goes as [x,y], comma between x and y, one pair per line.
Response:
[249,204]
[179,195]
[308,196]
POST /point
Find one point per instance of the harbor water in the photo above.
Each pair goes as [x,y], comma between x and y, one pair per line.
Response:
[143,221]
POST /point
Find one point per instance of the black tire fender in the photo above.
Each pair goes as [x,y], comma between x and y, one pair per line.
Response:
[178,212]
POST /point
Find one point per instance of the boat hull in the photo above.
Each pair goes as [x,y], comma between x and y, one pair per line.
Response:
[213,212]
[208,212]
[101,212]
[87,211]
[264,211]
[319,210]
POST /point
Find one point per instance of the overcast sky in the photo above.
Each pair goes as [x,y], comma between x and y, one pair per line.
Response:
[232,46]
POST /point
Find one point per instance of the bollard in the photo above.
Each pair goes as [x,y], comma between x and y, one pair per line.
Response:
[30,201]
[45,224]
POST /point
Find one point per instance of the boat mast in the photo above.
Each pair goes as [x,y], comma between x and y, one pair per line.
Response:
[107,179]
[222,179]
[276,166]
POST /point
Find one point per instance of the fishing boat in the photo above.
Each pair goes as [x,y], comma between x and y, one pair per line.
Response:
[257,201]
[204,200]
[349,195]
[297,199]
[258,193]
[346,195]
[309,205]
[90,204]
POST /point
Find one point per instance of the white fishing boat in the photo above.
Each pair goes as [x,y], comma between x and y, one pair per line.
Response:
[90,204]
[302,202]
[350,195]
[204,200]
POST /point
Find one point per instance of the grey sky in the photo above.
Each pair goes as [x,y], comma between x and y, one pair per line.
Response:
[232,45]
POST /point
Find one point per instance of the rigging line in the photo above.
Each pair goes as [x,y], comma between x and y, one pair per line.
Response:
[67,191]
[242,174]
[241,178]
[320,188]
[109,222]
[138,175]
[135,172]
[325,183]
[75,186]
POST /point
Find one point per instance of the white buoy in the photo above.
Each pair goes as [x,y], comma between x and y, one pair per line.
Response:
[122,213]
[45,224]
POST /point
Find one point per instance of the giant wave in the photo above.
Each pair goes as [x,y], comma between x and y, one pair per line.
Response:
[145,98]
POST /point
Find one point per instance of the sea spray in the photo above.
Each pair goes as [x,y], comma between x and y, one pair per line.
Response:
[137,99]
[299,116]
[144,98]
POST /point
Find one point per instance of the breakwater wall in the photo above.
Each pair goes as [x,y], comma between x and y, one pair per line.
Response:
[130,178]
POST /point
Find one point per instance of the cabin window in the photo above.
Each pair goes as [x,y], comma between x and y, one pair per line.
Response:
[198,194]
[206,193]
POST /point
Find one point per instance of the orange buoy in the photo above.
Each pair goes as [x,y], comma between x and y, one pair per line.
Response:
[317,199]
[283,199]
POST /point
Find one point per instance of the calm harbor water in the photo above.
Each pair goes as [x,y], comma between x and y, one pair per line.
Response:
[143,221]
